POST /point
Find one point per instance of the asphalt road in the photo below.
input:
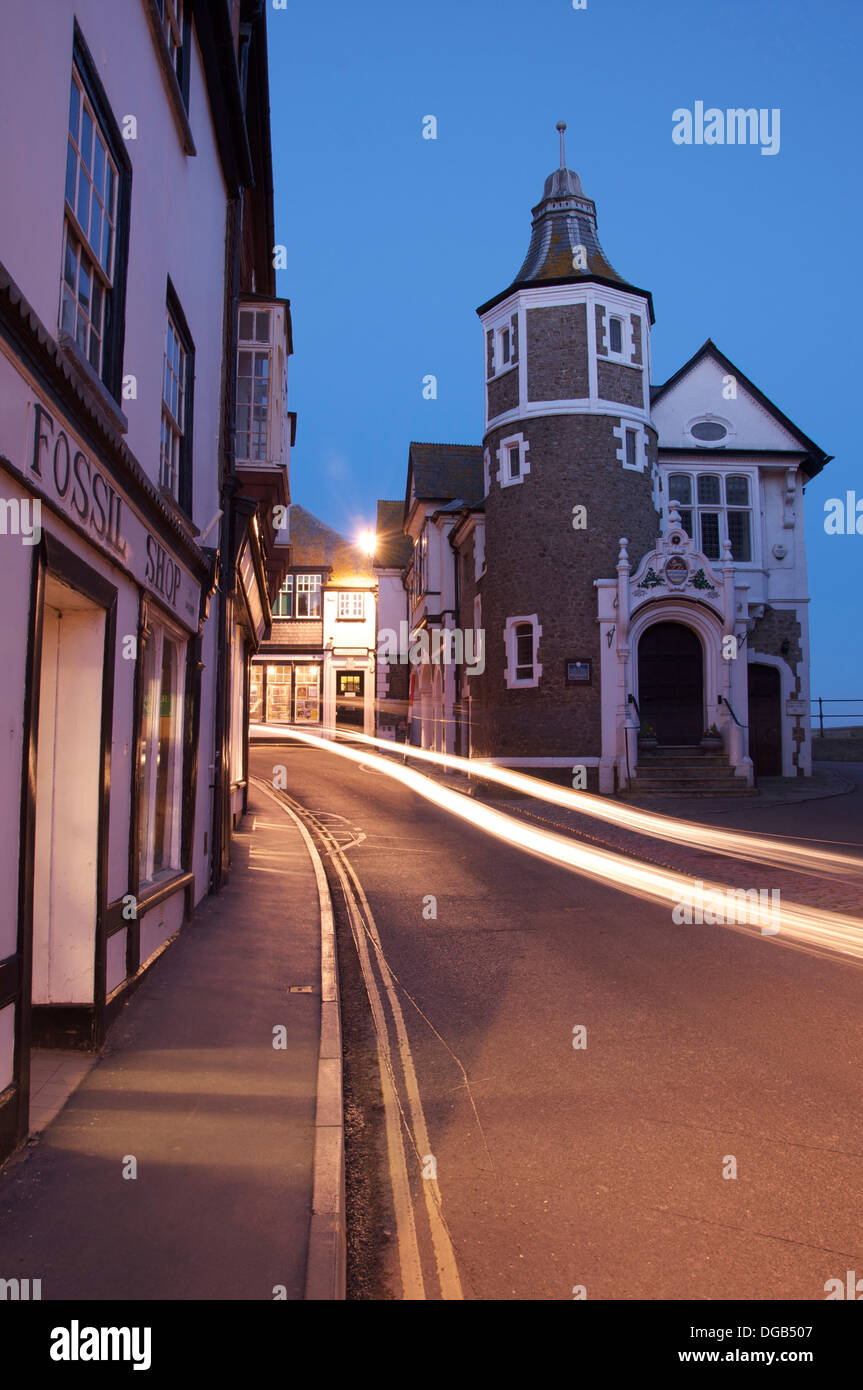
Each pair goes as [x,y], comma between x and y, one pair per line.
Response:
[602,1167]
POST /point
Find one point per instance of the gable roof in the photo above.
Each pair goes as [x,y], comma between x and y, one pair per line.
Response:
[393,548]
[318,546]
[444,472]
[816,457]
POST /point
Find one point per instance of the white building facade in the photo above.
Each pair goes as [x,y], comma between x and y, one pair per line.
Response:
[132,557]
[633,554]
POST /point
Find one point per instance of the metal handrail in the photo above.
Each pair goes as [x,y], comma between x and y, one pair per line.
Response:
[722,701]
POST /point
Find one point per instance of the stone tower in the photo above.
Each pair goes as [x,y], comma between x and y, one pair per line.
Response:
[569,456]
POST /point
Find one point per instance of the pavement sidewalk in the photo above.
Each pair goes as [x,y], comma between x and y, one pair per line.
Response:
[225,1128]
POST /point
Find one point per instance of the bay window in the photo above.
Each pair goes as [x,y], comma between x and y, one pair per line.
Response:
[254,376]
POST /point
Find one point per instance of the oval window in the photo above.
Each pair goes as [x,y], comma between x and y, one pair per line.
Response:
[708,429]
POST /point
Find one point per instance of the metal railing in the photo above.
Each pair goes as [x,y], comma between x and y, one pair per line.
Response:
[848,715]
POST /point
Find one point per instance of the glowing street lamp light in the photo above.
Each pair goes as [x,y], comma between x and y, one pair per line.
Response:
[367,542]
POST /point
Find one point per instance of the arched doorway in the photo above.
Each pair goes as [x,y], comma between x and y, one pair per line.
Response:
[765,719]
[671,682]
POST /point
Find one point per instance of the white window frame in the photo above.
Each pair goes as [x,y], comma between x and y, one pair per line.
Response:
[727,438]
[511,646]
[249,440]
[286,591]
[627,338]
[348,599]
[510,442]
[693,472]
[313,585]
[639,431]
[498,364]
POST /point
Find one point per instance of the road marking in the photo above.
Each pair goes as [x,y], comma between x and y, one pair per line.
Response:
[327,1257]
[445,1260]
[410,1264]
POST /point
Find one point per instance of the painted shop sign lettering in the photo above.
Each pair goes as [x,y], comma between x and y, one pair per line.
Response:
[40,448]
[162,573]
[77,481]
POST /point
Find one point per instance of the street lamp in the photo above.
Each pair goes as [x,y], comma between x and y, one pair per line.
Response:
[367,542]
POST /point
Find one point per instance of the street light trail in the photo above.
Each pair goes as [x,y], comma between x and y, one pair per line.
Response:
[760,849]
[813,929]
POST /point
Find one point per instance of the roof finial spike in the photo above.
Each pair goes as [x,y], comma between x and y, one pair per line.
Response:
[561,126]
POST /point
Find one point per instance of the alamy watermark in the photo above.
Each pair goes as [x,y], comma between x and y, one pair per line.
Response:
[21,518]
[719,907]
[733,126]
[446,646]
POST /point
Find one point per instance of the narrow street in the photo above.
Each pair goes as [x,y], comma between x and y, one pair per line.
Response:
[605,1167]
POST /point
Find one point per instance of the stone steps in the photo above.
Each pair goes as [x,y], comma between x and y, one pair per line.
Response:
[684,770]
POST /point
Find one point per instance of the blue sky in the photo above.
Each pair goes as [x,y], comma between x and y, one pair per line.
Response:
[392,240]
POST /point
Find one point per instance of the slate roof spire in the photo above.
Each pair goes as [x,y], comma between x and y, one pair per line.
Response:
[564,220]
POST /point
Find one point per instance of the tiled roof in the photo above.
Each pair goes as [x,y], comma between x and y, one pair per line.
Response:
[393,548]
[315,544]
[444,472]
[564,219]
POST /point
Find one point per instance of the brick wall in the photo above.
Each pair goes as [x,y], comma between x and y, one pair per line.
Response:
[502,393]
[599,320]
[619,383]
[777,626]
[557,353]
[537,563]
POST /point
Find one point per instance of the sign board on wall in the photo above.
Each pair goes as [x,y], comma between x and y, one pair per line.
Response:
[51,461]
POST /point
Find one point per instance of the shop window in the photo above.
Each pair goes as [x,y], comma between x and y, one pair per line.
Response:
[239,716]
[95,227]
[256,693]
[279,694]
[160,754]
[308,706]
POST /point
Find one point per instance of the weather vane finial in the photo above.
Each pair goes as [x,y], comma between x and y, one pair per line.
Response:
[561,125]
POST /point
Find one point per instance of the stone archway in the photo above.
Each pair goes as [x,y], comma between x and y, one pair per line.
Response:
[671,682]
